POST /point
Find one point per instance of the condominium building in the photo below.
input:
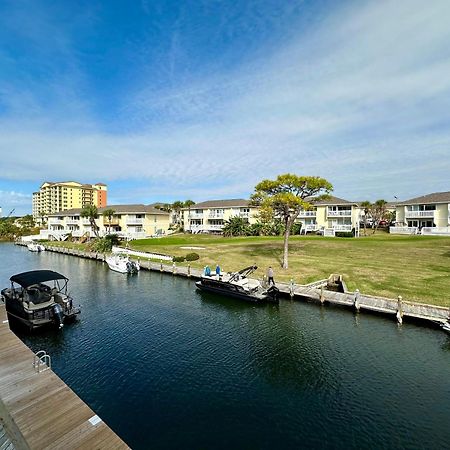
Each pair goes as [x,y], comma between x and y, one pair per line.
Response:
[128,221]
[429,214]
[210,216]
[330,216]
[53,197]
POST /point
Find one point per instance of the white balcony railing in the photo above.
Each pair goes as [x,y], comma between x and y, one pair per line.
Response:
[73,222]
[244,215]
[196,216]
[339,213]
[342,227]
[55,221]
[215,216]
[307,214]
[134,221]
[403,230]
[419,214]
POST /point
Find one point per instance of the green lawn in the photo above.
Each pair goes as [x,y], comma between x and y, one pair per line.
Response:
[416,267]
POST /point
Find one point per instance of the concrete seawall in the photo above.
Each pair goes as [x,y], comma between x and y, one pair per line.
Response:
[398,308]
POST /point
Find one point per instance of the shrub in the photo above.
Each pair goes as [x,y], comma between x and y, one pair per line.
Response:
[345,234]
[192,257]
[178,259]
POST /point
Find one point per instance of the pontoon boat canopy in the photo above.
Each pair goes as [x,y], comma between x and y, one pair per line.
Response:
[26,279]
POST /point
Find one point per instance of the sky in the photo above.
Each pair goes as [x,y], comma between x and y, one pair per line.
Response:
[202,99]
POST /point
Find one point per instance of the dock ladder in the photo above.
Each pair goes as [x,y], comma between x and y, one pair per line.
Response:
[42,361]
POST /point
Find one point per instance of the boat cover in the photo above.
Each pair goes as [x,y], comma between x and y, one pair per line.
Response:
[26,279]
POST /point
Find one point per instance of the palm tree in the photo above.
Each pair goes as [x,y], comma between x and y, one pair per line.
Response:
[176,208]
[367,206]
[187,204]
[91,212]
[236,226]
[109,213]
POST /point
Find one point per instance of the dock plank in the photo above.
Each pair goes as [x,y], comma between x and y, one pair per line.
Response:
[42,411]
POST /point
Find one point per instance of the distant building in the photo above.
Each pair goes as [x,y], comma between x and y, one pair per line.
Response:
[210,216]
[128,221]
[53,197]
[428,214]
[330,216]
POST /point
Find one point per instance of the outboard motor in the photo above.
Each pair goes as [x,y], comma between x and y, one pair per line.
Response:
[273,292]
[58,315]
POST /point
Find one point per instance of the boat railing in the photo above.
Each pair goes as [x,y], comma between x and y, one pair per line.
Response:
[42,361]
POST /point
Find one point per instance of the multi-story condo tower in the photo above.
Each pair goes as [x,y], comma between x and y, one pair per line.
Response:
[59,196]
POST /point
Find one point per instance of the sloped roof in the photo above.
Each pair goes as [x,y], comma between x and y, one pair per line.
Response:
[435,197]
[334,201]
[118,209]
[236,202]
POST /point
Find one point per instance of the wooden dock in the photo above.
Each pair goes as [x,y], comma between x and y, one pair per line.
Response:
[38,410]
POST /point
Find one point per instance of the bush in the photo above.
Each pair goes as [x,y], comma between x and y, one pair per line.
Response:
[178,259]
[192,257]
[345,234]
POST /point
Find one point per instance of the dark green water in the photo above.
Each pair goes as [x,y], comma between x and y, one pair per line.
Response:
[169,368]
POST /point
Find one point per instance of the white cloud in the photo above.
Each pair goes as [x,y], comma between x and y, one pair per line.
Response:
[362,99]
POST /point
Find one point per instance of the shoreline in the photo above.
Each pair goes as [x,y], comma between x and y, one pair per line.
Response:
[398,308]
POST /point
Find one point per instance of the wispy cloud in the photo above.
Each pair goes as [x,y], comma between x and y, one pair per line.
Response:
[360,96]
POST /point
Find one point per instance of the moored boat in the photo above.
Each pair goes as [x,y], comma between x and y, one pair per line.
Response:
[35,247]
[121,262]
[238,285]
[39,298]
[446,326]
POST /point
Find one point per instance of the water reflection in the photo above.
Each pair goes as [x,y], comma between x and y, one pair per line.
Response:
[195,370]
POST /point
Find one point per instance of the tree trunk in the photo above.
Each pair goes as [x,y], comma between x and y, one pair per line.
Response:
[94,227]
[287,231]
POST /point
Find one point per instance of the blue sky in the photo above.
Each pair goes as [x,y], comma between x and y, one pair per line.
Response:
[170,100]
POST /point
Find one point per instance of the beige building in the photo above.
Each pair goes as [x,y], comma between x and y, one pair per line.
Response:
[61,196]
[331,216]
[428,214]
[128,221]
[210,216]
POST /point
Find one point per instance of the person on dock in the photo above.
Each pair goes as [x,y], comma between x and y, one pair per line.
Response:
[218,271]
[207,271]
[270,276]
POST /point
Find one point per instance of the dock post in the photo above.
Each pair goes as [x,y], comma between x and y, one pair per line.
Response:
[399,310]
[322,297]
[161,267]
[189,270]
[174,268]
[356,300]
[291,288]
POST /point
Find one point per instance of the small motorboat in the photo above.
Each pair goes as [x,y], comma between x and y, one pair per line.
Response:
[121,262]
[35,247]
[446,326]
[238,285]
[39,298]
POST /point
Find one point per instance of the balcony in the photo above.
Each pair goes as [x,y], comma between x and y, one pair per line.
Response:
[419,214]
[307,214]
[215,216]
[339,213]
[134,221]
[196,216]
[73,221]
[55,222]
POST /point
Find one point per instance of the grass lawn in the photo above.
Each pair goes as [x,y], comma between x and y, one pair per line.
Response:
[416,267]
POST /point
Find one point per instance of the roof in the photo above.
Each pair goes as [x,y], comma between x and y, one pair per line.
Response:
[436,197]
[118,209]
[236,202]
[134,209]
[333,201]
[26,279]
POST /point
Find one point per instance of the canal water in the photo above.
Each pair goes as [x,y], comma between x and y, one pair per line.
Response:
[168,367]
